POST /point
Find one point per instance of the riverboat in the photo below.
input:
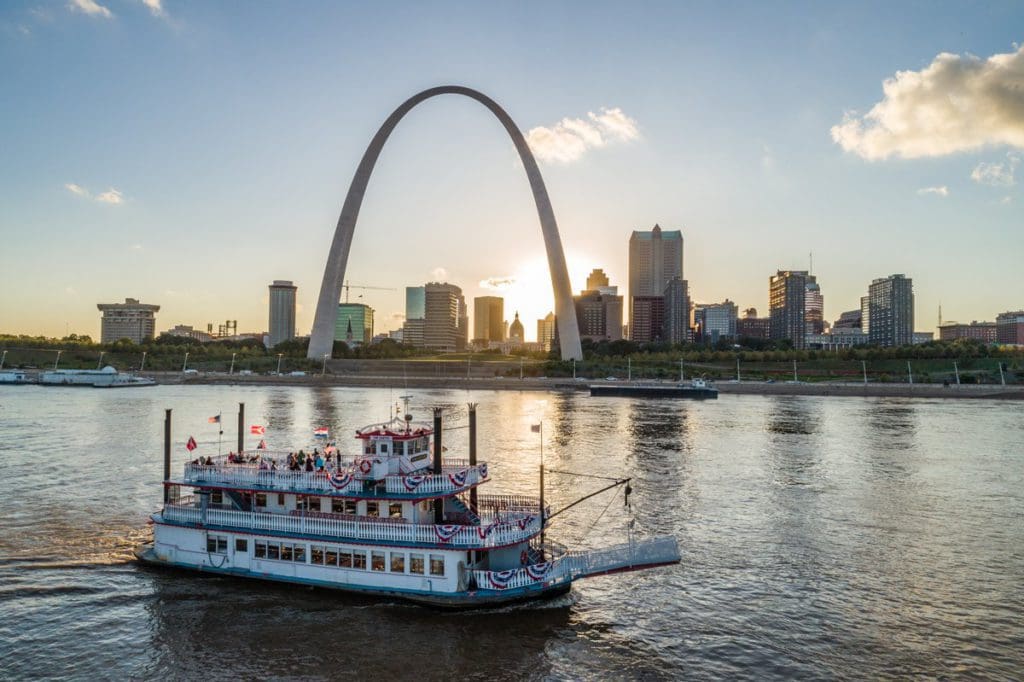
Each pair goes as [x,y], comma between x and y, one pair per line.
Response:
[697,389]
[399,520]
[108,377]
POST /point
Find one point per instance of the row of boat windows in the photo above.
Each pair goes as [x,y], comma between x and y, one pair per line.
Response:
[407,447]
[335,505]
[413,563]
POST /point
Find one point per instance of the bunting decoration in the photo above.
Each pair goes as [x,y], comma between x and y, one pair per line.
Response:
[413,482]
[484,531]
[458,479]
[446,532]
[500,579]
[340,480]
[483,470]
[524,522]
[539,571]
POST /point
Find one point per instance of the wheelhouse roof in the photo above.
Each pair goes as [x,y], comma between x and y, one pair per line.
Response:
[396,429]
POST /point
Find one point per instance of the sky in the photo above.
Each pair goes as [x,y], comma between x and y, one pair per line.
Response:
[189,153]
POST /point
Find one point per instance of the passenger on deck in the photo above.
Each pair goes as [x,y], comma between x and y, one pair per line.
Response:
[319,463]
[309,464]
[302,458]
[263,465]
[209,461]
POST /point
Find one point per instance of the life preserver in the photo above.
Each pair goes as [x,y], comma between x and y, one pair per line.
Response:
[524,558]
[365,466]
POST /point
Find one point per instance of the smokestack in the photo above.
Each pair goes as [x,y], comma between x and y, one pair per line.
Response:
[167,454]
[241,426]
[438,449]
[472,453]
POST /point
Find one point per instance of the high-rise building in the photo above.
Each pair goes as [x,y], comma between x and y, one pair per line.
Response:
[677,311]
[516,332]
[1010,327]
[891,311]
[129,320]
[814,307]
[444,310]
[655,258]
[986,332]
[787,303]
[851,319]
[865,314]
[546,331]
[488,318]
[599,309]
[715,321]
[751,326]
[415,303]
[355,324]
[282,312]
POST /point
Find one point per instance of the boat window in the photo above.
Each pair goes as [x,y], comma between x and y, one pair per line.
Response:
[368,450]
[337,506]
[261,499]
[302,503]
[331,556]
[316,554]
[395,510]
[286,552]
[261,550]
[273,550]
[436,564]
[241,545]
[416,563]
[280,499]
[397,562]
[300,553]
[345,559]
[373,509]
[359,560]
[350,507]
[217,497]
[377,561]
[384,448]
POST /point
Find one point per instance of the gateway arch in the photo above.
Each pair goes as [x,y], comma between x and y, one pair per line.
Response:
[321,341]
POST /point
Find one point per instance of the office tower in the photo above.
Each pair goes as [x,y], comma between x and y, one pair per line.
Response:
[677,311]
[282,312]
[865,314]
[596,279]
[462,333]
[444,309]
[599,309]
[655,258]
[488,319]
[787,296]
[814,307]
[891,311]
[851,319]
[546,331]
[415,303]
[355,324]
[715,321]
[985,332]
[750,326]
[1010,327]
[516,332]
[129,320]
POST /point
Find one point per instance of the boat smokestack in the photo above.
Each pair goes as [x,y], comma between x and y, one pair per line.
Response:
[241,427]
[438,449]
[167,454]
[472,454]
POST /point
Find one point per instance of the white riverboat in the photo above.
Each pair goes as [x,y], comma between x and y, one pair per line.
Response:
[398,520]
[108,377]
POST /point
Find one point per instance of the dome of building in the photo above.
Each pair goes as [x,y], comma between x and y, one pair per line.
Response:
[515,330]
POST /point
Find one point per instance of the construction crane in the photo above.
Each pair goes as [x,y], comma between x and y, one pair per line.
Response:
[348,286]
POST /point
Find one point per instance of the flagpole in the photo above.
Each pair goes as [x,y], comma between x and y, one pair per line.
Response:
[220,432]
[542,490]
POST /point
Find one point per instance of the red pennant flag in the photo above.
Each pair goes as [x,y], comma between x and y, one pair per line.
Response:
[191,444]
[257,430]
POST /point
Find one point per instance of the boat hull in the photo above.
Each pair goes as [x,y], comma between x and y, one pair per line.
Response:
[473,599]
[654,391]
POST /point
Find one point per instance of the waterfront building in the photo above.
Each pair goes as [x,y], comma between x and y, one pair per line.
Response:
[354,325]
[188,332]
[677,311]
[837,339]
[599,309]
[488,319]
[546,332]
[814,307]
[984,332]
[1010,327]
[891,311]
[787,305]
[715,321]
[516,332]
[655,258]
[750,326]
[129,320]
[851,319]
[413,333]
[444,322]
[282,311]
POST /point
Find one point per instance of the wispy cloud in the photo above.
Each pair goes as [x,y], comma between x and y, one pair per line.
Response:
[111,196]
[76,189]
[570,138]
[497,283]
[90,7]
[955,104]
[155,7]
[941,191]
[997,174]
[439,274]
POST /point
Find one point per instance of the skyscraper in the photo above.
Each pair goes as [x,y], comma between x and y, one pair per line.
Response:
[596,279]
[891,311]
[488,318]
[814,307]
[129,320]
[355,324]
[282,311]
[599,309]
[787,303]
[415,303]
[677,311]
[655,257]
[865,314]
[444,309]
[715,321]
[546,331]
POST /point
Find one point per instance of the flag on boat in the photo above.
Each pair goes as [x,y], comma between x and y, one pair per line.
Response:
[535,428]
[262,445]
[257,430]
[321,432]
[191,444]
[214,420]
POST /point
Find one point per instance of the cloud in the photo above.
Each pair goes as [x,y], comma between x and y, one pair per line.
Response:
[942,191]
[76,189]
[570,138]
[997,174]
[136,247]
[439,274]
[90,7]
[498,283]
[1005,200]
[70,291]
[111,196]
[955,104]
[155,7]
[398,316]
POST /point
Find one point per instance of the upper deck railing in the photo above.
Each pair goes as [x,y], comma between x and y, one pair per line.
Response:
[456,476]
[497,534]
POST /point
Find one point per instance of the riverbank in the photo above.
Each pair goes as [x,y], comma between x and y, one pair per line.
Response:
[886,390]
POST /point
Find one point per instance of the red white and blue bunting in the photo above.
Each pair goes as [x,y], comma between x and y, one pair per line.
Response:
[539,571]
[500,579]
[458,479]
[413,482]
[340,480]
[525,521]
[483,470]
[446,532]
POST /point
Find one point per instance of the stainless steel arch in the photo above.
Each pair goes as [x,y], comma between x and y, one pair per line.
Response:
[321,341]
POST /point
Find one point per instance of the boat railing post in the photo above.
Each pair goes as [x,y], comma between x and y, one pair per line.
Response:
[167,454]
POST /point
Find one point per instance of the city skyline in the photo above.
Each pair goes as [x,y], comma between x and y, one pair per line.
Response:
[194,194]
